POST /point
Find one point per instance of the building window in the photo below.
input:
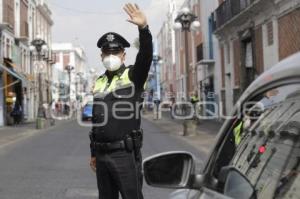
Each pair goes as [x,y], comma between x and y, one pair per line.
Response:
[24,62]
[249,56]
[228,53]
[210,36]
[8,49]
[9,13]
[57,58]
[66,59]
[270,33]
[20,67]
[199,52]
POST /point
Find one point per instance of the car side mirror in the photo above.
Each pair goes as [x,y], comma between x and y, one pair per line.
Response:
[237,185]
[169,170]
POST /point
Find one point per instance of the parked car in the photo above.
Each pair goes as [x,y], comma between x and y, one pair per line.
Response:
[257,150]
[87,112]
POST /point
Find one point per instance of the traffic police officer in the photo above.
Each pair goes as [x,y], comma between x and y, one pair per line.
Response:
[116,137]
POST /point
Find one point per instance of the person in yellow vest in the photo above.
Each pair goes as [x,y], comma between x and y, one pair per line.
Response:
[194,100]
[116,136]
[240,128]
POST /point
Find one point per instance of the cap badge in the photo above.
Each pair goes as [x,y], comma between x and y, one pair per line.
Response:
[110,37]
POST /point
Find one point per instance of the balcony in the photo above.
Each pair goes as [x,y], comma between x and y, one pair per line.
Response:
[228,10]
[204,54]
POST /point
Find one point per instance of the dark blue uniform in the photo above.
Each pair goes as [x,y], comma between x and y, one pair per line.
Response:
[119,168]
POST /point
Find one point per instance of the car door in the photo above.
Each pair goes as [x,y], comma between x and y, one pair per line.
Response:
[266,143]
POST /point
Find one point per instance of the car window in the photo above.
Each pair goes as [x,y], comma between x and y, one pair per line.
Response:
[267,144]
[89,105]
[289,181]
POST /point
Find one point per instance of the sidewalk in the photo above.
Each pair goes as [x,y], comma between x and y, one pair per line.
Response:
[203,140]
[12,134]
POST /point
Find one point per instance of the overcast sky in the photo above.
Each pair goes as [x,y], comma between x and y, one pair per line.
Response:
[82,22]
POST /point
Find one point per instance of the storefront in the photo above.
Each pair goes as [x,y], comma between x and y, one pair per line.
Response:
[12,84]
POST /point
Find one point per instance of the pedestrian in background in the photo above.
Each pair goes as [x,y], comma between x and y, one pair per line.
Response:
[17,113]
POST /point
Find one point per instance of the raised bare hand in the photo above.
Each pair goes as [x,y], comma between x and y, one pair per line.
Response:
[137,17]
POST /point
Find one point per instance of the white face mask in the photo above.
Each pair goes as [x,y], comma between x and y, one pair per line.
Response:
[112,62]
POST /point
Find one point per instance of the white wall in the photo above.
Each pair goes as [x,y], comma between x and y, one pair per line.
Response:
[31,19]
[229,80]
[17,18]
[217,68]
[1,8]
[1,104]
[77,60]
[271,53]
[206,8]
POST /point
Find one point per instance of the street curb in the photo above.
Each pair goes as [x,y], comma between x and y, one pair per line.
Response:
[9,140]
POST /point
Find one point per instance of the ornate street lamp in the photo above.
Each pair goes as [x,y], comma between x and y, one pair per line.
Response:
[78,88]
[186,22]
[39,48]
[69,68]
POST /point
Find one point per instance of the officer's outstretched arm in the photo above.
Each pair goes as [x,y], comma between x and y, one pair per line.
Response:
[139,73]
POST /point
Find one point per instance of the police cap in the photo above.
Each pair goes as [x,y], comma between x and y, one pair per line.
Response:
[112,42]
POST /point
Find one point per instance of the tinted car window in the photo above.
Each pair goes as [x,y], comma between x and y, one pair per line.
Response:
[268,153]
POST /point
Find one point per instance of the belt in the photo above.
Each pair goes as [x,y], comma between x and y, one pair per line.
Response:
[109,146]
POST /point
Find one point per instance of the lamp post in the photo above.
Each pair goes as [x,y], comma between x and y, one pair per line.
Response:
[39,49]
[156,61]
[186,22]
[69,68]
[78,88]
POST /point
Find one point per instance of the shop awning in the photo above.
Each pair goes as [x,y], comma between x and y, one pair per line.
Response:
[15,74]
[13,65]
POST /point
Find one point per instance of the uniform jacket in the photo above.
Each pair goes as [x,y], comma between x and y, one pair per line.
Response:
[120,94]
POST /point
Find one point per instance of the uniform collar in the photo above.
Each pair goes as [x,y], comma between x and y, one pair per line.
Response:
[118,72]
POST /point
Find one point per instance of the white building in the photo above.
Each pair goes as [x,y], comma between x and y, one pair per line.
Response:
[167,51]
[209,66]
[68,55]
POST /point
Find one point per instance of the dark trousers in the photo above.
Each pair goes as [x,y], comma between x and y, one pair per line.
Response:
[118,171]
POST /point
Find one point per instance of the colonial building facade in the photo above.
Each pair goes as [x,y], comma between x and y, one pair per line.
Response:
[254,35]
[20,22]
[237,41]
